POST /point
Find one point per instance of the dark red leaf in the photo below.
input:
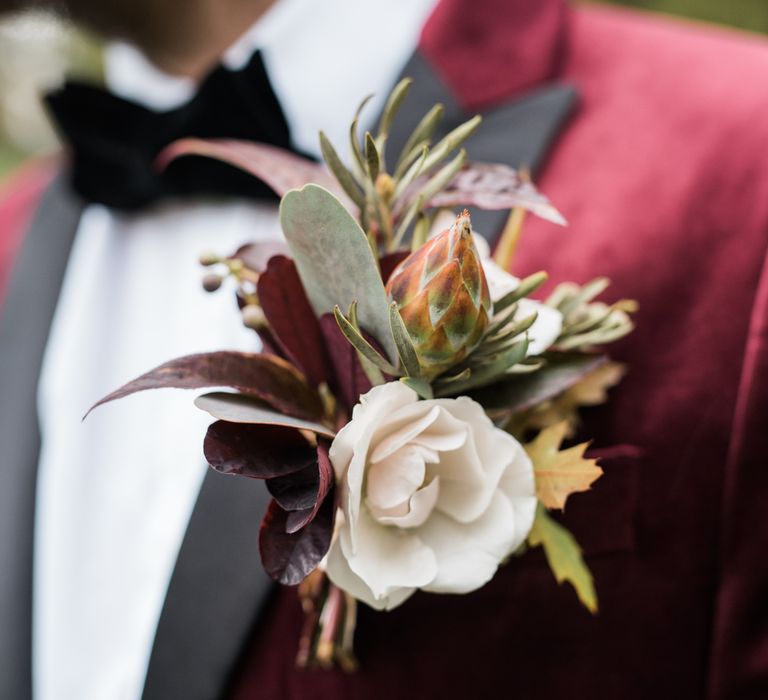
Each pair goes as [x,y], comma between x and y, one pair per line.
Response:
[256,255]
[297,491]
[389,262]
[290,557]
[258,451]
[325,482]
[292,320]
[350,380]
[279,169]
[493,186]
[265,377]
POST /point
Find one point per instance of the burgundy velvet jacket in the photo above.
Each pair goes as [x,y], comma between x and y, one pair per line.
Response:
[663,176]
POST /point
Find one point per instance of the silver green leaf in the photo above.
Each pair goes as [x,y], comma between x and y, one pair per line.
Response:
[335,261]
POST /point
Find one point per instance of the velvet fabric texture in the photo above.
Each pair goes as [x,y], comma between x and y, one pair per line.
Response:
[663,177]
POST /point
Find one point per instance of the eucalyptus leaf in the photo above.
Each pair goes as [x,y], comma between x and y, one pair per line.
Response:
[335,261]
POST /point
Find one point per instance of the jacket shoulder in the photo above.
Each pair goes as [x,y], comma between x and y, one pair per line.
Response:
[690,70]
[19,194]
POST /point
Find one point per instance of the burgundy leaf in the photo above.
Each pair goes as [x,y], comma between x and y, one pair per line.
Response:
[389,262]
[292,320]
[258,451]
[237,408]
[300,518]
[290,557]
[297,491]
[524,391]
[494,186]
[256,255]
[297,519]
[264,376]
[350,379]
[279,169]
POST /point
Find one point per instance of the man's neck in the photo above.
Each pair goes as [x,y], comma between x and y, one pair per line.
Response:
[199,40]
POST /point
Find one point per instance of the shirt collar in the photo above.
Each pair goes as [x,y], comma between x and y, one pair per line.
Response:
[318,55]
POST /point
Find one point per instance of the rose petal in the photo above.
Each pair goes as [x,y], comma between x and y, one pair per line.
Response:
[394,480]
[342,576]
[469,554]
[387,559]
[420,507]
[403,435]
[471,475]
[518,483]
[349,451]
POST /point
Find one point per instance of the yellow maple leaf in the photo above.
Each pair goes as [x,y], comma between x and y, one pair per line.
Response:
[559,473]
[563,556]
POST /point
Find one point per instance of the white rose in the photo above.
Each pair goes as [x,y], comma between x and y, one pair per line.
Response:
[549,322]
[433,497]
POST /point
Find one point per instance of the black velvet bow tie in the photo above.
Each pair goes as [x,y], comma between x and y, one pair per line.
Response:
[115,142]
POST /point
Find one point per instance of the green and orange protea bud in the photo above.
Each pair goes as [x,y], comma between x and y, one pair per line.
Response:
[443,297]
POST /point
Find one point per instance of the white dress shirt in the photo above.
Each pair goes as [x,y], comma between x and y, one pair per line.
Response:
[115,493]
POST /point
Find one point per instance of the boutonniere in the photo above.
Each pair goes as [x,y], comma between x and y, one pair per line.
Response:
[409,409]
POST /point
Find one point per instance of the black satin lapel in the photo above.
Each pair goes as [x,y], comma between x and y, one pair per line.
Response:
[519,132]
[25,320]
[216,593]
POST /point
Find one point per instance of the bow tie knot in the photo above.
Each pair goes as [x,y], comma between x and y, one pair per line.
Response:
[114,142]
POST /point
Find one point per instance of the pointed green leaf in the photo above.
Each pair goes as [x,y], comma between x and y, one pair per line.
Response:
[405,349]
[452,141]
[372,158]
[493,369]
[423,132]
[356,339]
[411,174]
[421,386]
[394,102]
[527,286]
[340,172]
[335,261]
[443,176]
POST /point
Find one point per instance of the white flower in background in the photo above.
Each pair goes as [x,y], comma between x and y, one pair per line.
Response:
[549,322]
[433,497]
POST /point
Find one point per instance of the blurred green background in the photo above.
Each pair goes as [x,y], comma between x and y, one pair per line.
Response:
[36,50]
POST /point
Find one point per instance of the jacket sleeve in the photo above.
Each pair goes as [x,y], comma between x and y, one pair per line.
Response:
[739,660]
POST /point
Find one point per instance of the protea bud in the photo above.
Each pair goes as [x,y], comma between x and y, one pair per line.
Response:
[443,297]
